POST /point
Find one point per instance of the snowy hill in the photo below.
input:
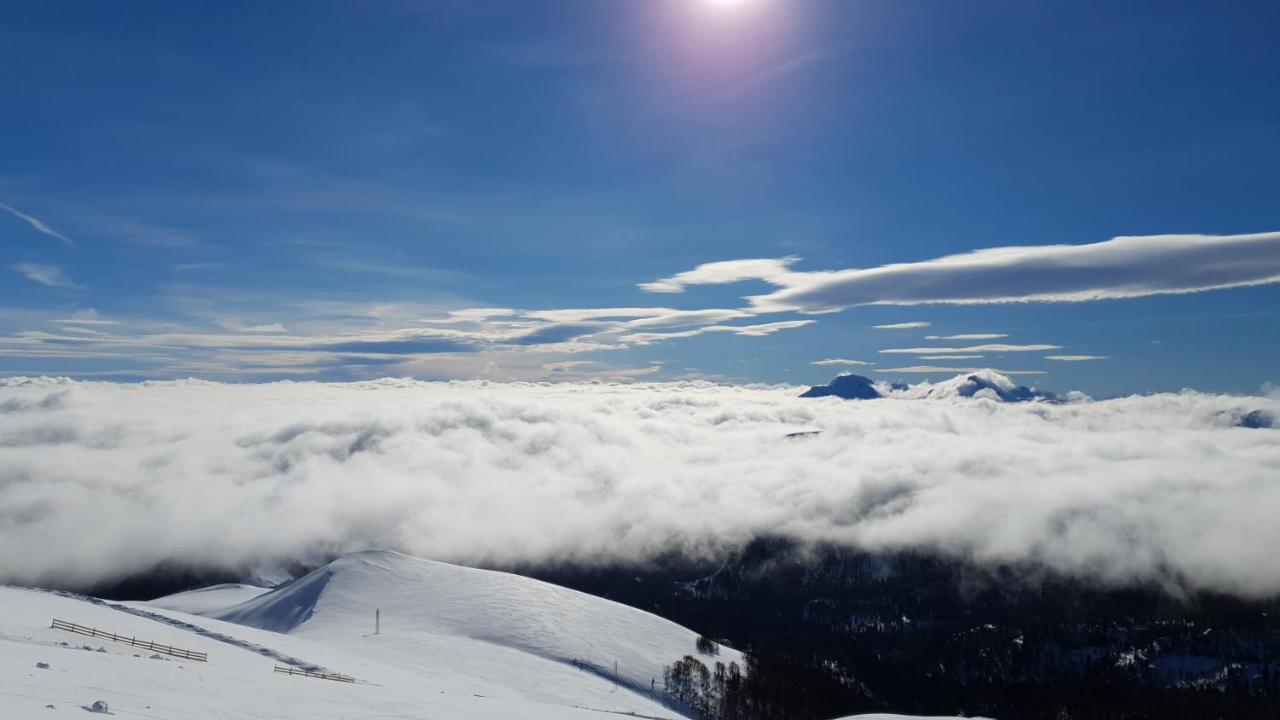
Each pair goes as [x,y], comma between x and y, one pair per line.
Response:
[424,603]
[210,599]
[455,643]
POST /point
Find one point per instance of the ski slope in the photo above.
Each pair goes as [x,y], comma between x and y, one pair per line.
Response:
[456,643]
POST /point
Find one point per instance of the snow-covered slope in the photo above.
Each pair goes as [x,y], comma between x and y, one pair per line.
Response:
[210,599]
[422,602]
[455,643]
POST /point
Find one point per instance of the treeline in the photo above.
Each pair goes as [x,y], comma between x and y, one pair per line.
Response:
[767,688]
[835,632]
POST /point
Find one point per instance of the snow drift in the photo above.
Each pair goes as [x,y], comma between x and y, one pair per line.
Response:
[99,480]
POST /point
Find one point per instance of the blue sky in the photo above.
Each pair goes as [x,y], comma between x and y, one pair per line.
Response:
[253,191]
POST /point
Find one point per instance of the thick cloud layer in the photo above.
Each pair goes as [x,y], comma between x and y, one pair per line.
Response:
[100,480]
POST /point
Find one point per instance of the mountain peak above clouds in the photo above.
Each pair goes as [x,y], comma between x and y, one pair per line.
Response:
[986,383]
[849,387]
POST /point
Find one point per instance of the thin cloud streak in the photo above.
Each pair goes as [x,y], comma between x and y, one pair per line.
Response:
[839,361]
[902,326]
[1075,358]
[38,225]
[996,348]
[944,370]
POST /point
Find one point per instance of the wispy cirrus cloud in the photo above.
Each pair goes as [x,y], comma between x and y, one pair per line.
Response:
[354,340]
[47,275]
[38,225]
[758,330]
[87,316]
[968,336]
[839,361]
[1074,358]
[902,326]
[996,348]
[942,370]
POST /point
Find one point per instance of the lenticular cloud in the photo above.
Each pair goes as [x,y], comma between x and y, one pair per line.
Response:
[100,480]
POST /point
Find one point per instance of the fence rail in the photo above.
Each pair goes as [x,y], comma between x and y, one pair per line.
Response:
[321,676]
[135,642]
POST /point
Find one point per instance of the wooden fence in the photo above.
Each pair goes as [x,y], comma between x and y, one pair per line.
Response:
[318,675]
[135,642]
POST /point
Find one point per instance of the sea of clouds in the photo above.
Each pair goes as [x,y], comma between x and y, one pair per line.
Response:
[100,480]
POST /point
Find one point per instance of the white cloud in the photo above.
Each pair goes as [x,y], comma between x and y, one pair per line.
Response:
[473,315]
[584,314]
[723,273]
[49,275]
[902,326]
[1123,267]
[950,357]
[341,340]
[564,365]
[38,225]
[1162,488]
[968,336]
[942,370]
[1074,358]
[997,347]
[87,316]
[758,330]
[679,318]
[839,361]
[763,328]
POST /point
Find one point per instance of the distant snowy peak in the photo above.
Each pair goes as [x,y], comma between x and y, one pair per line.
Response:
[986,383]
[849,387]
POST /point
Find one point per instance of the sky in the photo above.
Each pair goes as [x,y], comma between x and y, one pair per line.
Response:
[737,190]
